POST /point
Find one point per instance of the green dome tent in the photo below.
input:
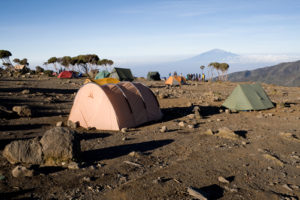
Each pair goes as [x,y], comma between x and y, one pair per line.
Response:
[153,76]
[122,74]
[248,97]
[102,74]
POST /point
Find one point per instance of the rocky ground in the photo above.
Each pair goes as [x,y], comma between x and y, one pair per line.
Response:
[197,145]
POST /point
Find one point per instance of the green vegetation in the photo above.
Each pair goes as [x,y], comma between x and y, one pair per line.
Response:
[221,68]
[85,63]
[4,56]
[24,61]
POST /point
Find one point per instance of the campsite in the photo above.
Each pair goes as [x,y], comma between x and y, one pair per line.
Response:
[197,144]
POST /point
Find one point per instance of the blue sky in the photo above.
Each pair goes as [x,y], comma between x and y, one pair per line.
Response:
[137,31]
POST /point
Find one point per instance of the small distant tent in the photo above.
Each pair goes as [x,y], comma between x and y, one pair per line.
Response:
[153,76]
[248,97]
[102,81]
[114,106]
[102,74]
[122,74]
[175,80]
[65,74]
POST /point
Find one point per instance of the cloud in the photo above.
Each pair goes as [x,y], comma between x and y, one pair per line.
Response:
[268,58]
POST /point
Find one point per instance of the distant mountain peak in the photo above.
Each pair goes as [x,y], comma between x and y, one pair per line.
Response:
[214,55]
[219,52]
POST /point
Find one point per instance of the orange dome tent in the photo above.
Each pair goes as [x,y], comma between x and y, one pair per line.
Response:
[114,106]
[175,80]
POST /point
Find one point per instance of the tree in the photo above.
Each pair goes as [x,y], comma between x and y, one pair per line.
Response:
[4,56]
[16,60]
[24,61]
[212,66]
[65,61]
[105,62]
[202,68]
[224,68]
[52,60]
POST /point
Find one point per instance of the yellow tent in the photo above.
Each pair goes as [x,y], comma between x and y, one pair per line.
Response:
[102,81]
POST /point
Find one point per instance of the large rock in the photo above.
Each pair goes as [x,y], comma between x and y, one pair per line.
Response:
[60,145]
[24,151]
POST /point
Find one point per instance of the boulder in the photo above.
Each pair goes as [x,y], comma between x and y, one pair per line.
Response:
[24,151]
[227,133]
[22,111]
[60,145]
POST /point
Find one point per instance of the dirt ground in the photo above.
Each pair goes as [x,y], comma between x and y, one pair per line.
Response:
[260,164]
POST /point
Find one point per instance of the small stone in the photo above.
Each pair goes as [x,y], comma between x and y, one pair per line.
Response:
[191,116]
[163,95]
[86,179]
[124,130]
[221,110]
[259,116]
[227,111]
[21,171]
[25,92]
[270,114]
[223,180]
[92,167]
[73,165]
[191,126]
[231,189]
[196,108]
[219,120]
[208,132]
[234,111]
[244,143]
[72,124]
[181,124]
[22,111]
[227,133]
[124,138]
[59,124]
[286,186]
[189,104]
[163,129]
[136,154]
[158,180]
[295,187]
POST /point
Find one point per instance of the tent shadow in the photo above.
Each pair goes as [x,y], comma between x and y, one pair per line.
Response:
[206,111]
[91,156]
[175,113]
[178,112]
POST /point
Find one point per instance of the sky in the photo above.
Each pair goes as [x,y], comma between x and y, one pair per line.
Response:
[136,31]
